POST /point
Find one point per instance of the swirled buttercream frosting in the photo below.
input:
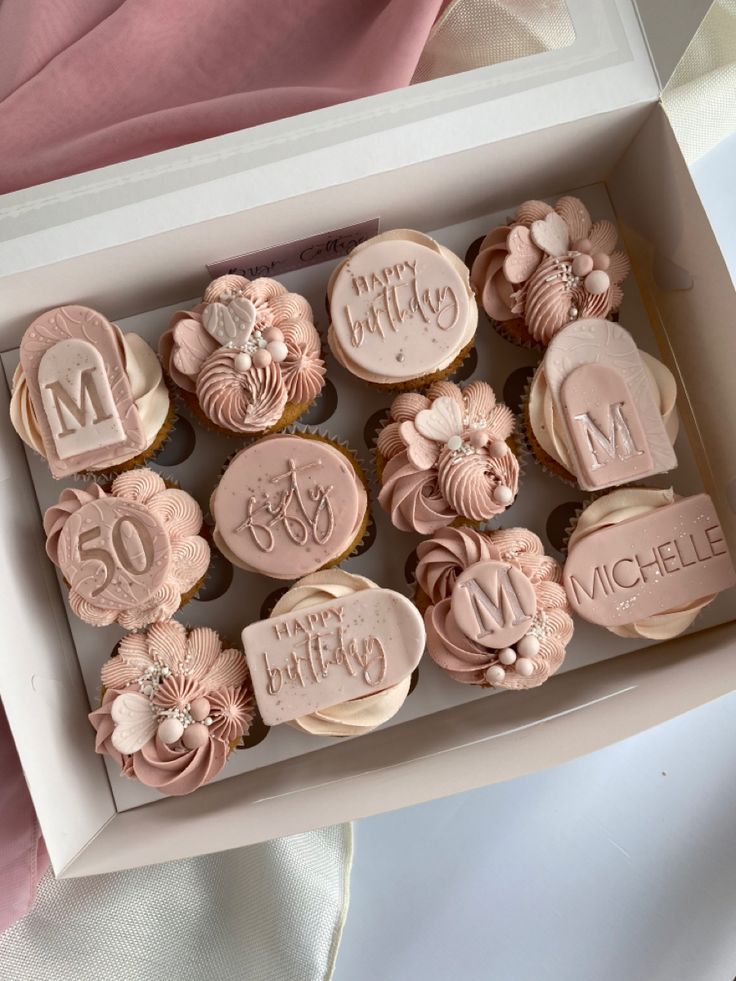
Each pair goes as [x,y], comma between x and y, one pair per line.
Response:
[496,612]
[548,266]
[401,309]
[444,457]
[175,704]
[246,353]
[129,554]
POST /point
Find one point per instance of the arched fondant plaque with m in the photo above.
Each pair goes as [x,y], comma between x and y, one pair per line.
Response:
[80,391]
[607,402]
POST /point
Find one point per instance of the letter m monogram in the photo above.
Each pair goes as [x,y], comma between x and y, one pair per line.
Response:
[616,443]
[495,608]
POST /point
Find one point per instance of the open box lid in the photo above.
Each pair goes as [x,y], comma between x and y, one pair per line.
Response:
[607,68]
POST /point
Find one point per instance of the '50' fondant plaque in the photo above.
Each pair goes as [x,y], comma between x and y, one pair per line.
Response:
[332,652]
[80,391]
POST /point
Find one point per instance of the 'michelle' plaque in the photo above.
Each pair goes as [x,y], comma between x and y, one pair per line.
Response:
[332,652]
[661,561]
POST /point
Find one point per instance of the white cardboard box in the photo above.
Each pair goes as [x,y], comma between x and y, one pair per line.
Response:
[137,236]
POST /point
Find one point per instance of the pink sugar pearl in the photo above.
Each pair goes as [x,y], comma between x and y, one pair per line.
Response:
[261,358]
[273,334]
[195,736]
[582,264]
[199,709]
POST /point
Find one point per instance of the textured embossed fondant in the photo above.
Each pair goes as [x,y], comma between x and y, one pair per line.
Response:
[80,391]
[605,397]
[288,505]
[668,558]
[400,307]
[332,652]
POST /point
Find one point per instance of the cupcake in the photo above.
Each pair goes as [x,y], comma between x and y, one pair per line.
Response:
[643,562]
[247,359]
[547,267]
[87,398]
[443,457]
[131,554]
[335,657]
[290,504]
[600,412]
[495,610]
[401,309]
[174,706]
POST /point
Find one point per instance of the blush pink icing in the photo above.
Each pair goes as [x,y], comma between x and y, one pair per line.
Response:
[288,505]
[401,308]
[128,555]
[445,457]
[499,615]
[182,684]
[354,716]
[534,270]
[249,349]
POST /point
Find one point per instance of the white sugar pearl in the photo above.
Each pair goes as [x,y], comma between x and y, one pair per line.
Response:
[170,731]
[454,443]
[507,655]
[597,282]
[528,646]
[277,349]
[242,362]
[495,674]
[503,495]
[498,448]
[524,667]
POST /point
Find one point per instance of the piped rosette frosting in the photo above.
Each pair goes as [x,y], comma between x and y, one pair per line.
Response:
[244,354]
[129,554]
[175,704]
[495,609]
[358,715]
[443,456]
[548,266]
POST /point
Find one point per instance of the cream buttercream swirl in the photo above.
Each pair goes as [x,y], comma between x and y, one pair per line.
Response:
[178,682]
[444,456]
[150,394]
[622,505]
[549,431]
[443,559]
[181,518]
[358,715]
[189,352]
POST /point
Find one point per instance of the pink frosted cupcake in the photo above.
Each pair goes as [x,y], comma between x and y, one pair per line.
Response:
[175,705]
[548,266]
[130,555]
[248,358]
[494,607]
[443,457]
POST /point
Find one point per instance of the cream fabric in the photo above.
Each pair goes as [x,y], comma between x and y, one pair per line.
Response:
[271,912]
[700,98]
[474,33]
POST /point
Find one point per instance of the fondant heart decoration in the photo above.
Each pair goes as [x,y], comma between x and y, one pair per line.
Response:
[230,324]
[551,234]
[442,421]
[523,257]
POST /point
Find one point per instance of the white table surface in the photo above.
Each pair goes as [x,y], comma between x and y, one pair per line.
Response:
[620,866]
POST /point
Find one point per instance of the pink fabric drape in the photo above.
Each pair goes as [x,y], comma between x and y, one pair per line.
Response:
[85,83]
